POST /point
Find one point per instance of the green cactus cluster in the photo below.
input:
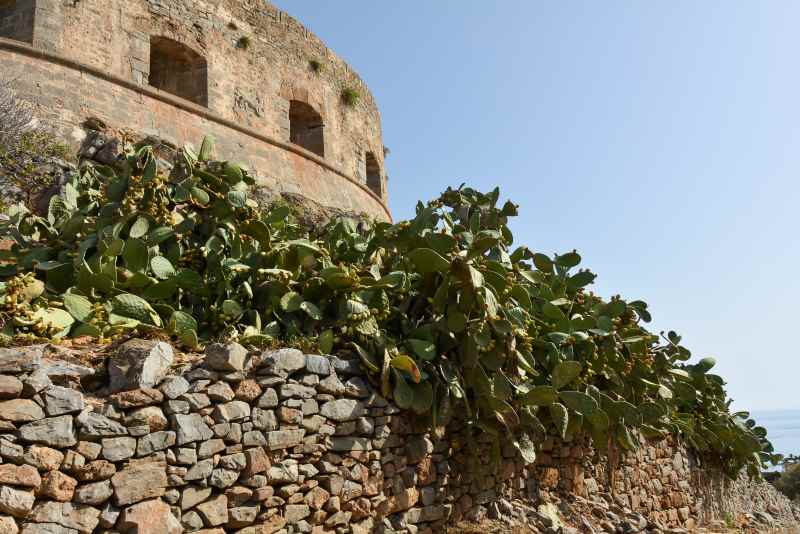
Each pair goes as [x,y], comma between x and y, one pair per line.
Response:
[446,315]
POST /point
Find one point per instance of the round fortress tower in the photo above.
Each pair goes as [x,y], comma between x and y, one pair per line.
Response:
[271,93]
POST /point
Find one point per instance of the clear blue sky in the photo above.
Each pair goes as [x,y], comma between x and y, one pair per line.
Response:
[660,139]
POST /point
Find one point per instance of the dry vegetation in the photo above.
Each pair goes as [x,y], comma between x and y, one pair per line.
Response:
[16,117]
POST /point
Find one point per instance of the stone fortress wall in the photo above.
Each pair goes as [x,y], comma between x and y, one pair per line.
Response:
[285,442]
[240,70]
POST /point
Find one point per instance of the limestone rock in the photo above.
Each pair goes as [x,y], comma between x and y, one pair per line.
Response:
[20,411]
[94,425]
[54,432]
[46,528]
[257,461]
[220,392]
[10,387]
[345,367]
[157,441]
[283,439]
[109,515]
[94,494]
[23,475]
[192,521]
[209,448]
[139,483]
[89,450]
[97,470]
[36,382]
[11,452]
[72,461]
[200,470]
[331,385]
[59,401]
[242,516]
[8,525]
[172,388]
[318,365]
[226,357]
[264,419]
[21,359]
[215,511]
[231,411]
[295,512]
[15,501]
[289,391]
[282,362]
[223,478]
[151,416]
[317,498]
[190,428]
[193,495]
[418,448]
[343,410]
[337,519]
[149,517]
[80,517]
[274,524]
[139,363]
[283,473]
[247,390]
[118,449]
[349,443]
[58,486]
[269,399]
[136,398]
[357,387]
[61,371]
[197,401]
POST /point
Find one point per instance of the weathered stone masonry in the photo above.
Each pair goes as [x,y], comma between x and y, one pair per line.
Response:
[180,69]
[275,442]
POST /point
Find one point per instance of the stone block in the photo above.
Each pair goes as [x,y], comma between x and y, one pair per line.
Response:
[139,483]
[139,363]
[53,432]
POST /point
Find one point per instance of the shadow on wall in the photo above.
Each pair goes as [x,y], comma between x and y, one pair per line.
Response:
[306,128]
[178,70]
[374,174]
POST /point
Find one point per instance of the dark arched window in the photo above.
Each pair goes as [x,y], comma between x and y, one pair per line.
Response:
[374,174]
[16,19]
[306,127]
[177,69]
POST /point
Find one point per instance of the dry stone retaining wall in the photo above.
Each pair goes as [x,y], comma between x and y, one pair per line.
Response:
[274,442]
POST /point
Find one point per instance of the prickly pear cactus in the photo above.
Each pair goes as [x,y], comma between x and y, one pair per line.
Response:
[442,310]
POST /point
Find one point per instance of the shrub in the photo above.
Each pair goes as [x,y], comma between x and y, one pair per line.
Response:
[316,65]
[16,116]
[244,42]
[27,152]
[789,481]
[350,96]
[443,312]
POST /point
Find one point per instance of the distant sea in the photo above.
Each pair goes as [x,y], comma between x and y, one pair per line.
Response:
[783,429]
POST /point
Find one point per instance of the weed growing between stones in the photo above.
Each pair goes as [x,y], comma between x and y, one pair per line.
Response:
[244,42]
[443,312]
[316,65]
[350,96]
